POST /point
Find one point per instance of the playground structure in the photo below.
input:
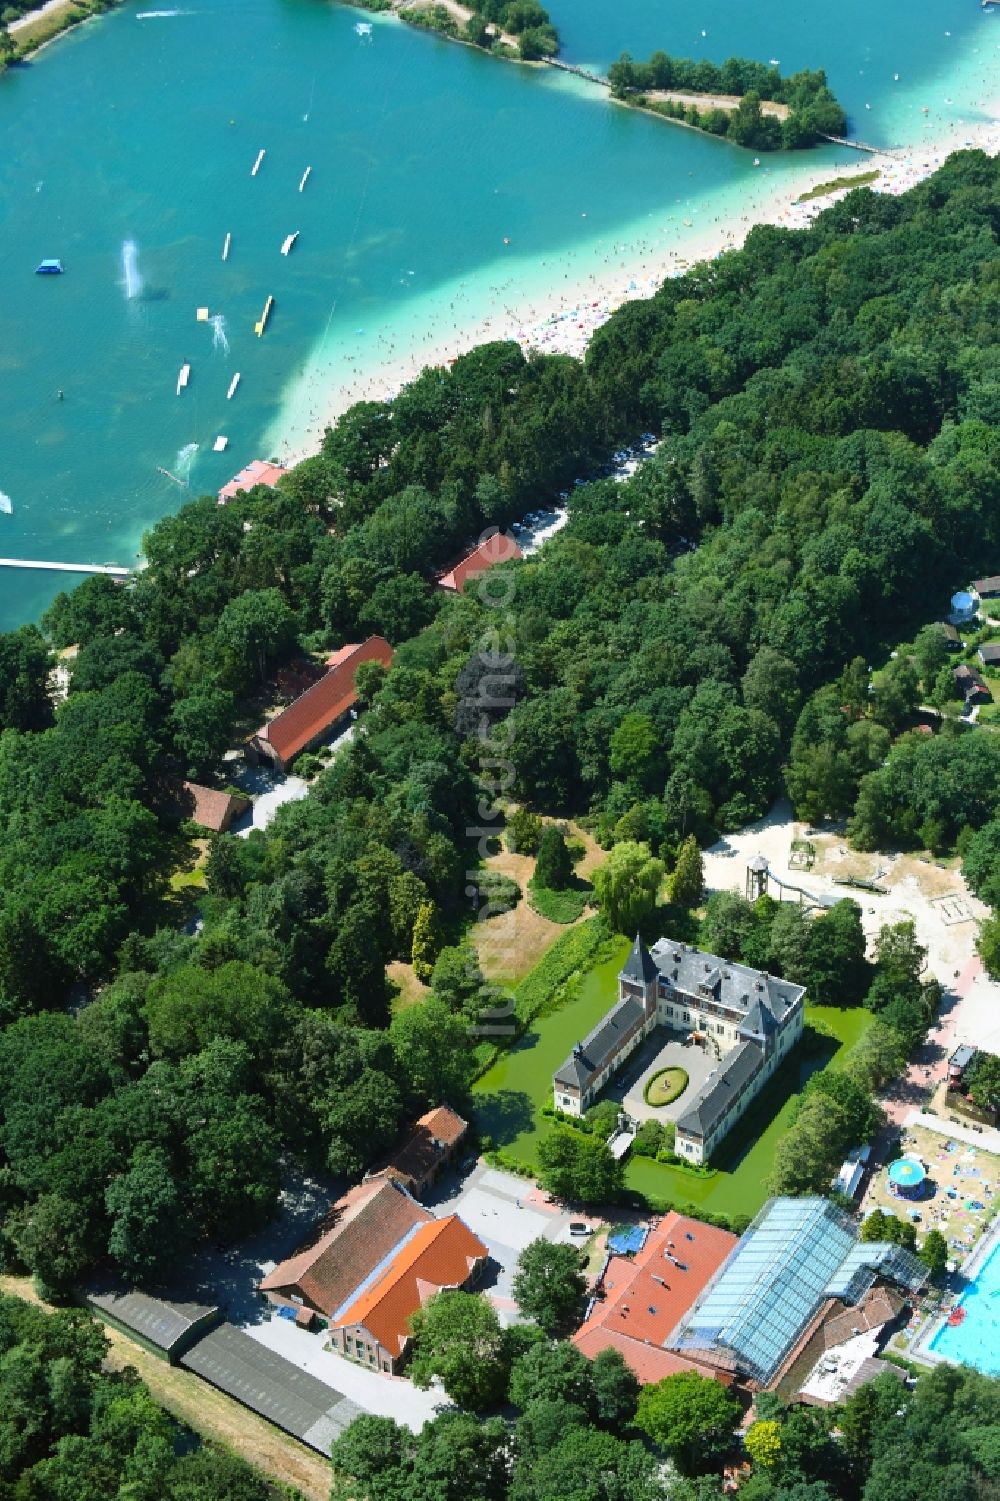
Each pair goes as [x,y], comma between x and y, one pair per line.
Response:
[761,879]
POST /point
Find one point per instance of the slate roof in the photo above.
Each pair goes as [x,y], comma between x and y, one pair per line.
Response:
[989,653]
[442,1254]
[267,1383]
[601,1045]
[646,1296]
[497,548]
[325,702]
[736,987]
[640,965]
[986,586]
[713,1099]
[162,1323]
[360,1230]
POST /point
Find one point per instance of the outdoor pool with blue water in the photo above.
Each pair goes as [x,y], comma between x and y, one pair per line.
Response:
[976,1340]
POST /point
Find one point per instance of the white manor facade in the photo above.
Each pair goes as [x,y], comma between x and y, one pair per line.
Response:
[750,1020]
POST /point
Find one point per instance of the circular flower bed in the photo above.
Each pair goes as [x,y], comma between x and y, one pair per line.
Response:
[665,1087]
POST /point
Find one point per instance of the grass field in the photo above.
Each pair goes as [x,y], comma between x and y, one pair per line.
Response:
[510,1096]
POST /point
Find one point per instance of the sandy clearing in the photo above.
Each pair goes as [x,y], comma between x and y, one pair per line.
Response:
[727,102]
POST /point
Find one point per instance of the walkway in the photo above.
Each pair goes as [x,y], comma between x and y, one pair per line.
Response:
[986,1140]
[112,569]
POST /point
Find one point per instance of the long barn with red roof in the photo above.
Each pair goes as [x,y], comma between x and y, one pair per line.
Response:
[316,712]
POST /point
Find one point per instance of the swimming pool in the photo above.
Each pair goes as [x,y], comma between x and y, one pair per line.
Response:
[976,1340]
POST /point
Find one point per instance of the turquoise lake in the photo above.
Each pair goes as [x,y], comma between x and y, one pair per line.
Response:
[425,158]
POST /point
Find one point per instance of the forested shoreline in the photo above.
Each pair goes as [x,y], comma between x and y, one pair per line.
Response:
[810,111]
[829,468]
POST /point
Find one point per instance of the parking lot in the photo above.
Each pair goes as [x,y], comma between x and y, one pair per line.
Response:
[507,1213]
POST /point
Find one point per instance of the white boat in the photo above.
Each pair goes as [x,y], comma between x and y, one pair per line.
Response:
[305,178]
[225,247]
[288,242]
[232,386]
[183,378]
[256,166]
[220,445]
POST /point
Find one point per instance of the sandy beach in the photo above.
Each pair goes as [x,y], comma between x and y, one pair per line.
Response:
[564,319]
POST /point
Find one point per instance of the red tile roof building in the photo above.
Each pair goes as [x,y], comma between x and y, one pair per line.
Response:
[314,713]
[364,1226]
[210,808]
[257,472]
[431,1145]
[375,1326]
[497,548]
[645,1296]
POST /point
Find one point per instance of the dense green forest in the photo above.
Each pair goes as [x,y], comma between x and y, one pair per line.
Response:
[813,111]
[829,469]
[526,21]
[71,1431]
[580,1435]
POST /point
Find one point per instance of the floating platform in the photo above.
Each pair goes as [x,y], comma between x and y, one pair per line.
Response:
[261,323]
[201,315]
[232,386]
[225,246]
[183,377]
[49,268]
[220,445]
[305,178]
[256,166]
[289,241]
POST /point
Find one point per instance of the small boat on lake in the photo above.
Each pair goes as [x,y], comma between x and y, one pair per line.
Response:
[256,166]
[288,242]
[225,247]
[49,268]
[305,178]
[232,386]
[261,323]
[183,377]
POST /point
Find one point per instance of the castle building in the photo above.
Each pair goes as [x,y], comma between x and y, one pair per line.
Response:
[749,1019]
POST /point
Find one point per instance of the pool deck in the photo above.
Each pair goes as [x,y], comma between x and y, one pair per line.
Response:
[920,1349]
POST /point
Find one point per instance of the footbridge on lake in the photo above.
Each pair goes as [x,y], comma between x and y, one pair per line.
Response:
[555,62]
[863,146]
[113,570]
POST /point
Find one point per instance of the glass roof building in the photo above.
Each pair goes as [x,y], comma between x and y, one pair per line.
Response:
[797,1254]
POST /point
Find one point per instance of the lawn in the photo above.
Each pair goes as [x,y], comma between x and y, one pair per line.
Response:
[510,1096]
[560,906]
[665,1087]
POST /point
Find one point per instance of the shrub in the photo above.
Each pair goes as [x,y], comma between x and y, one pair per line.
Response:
[524,832]
[553,868]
